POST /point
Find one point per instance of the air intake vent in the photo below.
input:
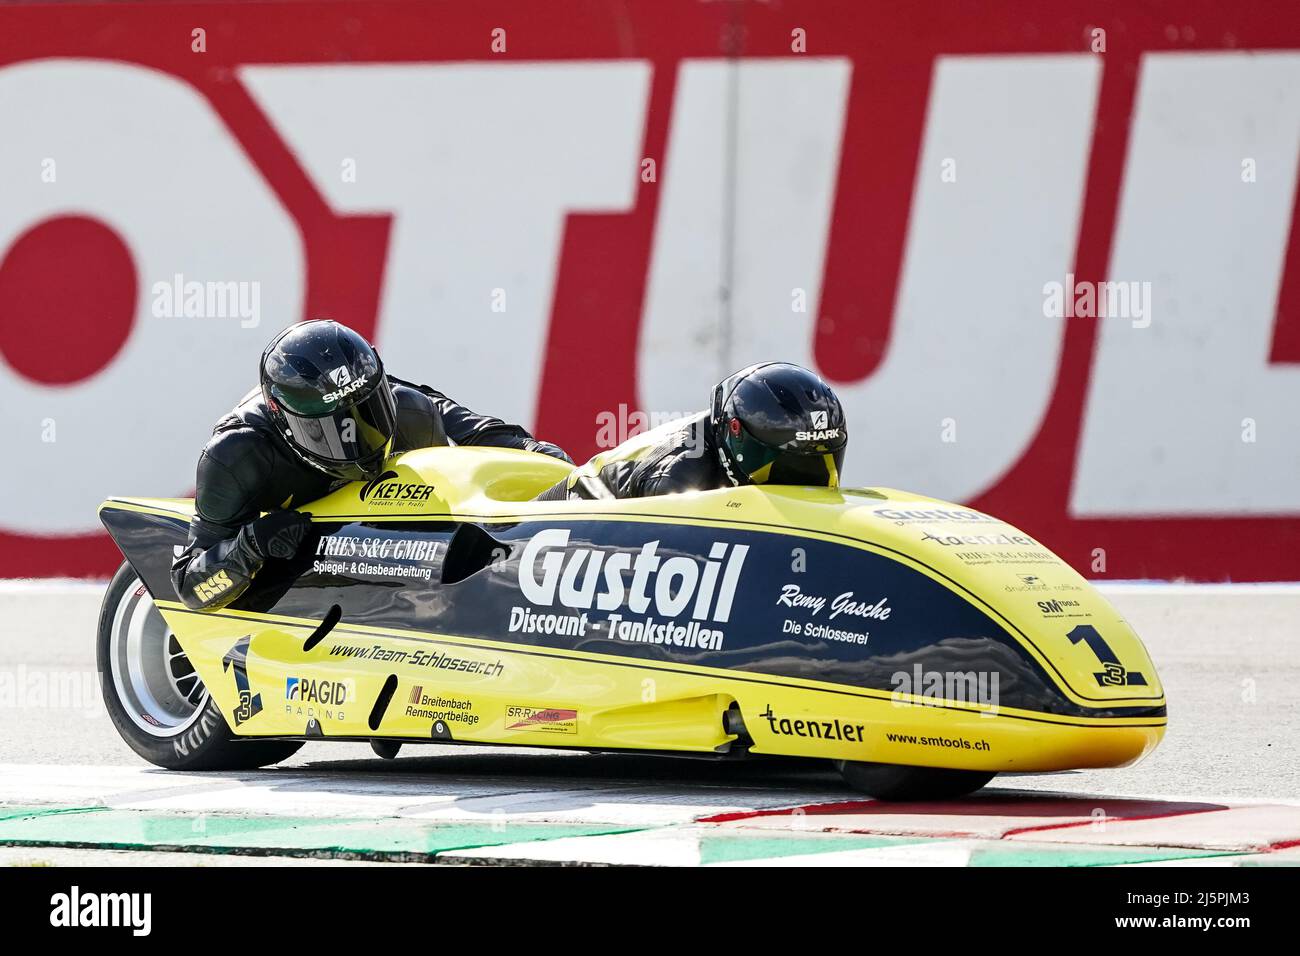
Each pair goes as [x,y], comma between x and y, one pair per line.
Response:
[382,701]
[332,617]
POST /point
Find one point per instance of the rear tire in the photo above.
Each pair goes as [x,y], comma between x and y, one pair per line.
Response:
[887,781]
[388,749]
[155,699]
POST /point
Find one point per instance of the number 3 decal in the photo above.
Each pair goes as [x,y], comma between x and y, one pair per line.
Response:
[1113,673]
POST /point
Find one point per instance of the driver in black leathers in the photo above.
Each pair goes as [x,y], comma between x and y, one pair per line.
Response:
[326,414]
[771,423]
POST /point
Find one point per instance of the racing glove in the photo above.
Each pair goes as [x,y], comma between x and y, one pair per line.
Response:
[547,448]
[279,534]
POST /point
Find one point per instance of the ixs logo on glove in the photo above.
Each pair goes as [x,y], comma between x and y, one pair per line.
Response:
[210,588]
[306,690]
[587,578]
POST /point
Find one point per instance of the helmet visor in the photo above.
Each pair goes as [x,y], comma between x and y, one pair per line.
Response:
[764,465]
[356,433]
[820,470]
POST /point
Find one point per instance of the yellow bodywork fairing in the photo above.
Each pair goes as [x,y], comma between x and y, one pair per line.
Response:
[964,643]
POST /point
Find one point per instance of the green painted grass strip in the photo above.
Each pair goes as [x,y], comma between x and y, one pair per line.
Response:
[1003,854]
[735,848]
[390,837]
[18,813]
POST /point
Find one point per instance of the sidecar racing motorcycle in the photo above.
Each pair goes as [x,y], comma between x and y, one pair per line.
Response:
[922,646]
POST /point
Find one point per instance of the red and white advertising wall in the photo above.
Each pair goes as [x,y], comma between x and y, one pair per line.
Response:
[565,213]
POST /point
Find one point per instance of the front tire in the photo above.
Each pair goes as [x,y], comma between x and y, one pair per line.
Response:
[887,781]
[155,698]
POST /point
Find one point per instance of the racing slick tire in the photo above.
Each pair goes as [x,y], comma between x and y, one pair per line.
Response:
[887,781]
[154,696]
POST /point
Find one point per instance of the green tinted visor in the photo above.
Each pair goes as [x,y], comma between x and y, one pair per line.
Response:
[764,465]
[357,432]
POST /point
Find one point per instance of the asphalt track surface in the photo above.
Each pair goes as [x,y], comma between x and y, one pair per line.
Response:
[1229,657]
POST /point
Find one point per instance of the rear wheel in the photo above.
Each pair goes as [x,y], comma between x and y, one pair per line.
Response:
[154,696]
[887,781]
[388,749]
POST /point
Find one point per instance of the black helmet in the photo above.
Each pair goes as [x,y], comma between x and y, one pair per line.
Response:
[779,424]
[327,394]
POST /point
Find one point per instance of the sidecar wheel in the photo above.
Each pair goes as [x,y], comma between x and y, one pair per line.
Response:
[886,781]
[153,695]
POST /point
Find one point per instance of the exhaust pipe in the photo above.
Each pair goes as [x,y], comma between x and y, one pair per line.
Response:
[733,722]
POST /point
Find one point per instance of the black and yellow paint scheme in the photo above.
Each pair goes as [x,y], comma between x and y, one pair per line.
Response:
[439,603]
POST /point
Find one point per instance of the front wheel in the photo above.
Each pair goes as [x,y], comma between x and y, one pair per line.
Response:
[887,781]
[155,697]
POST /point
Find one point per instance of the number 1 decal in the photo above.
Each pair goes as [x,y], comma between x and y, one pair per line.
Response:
[1113,673]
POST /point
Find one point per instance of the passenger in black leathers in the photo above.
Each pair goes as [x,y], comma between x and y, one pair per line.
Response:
[673,458]
[772,423]
[326,414]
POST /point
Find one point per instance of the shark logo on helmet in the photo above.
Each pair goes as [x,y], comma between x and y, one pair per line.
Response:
[345,382]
